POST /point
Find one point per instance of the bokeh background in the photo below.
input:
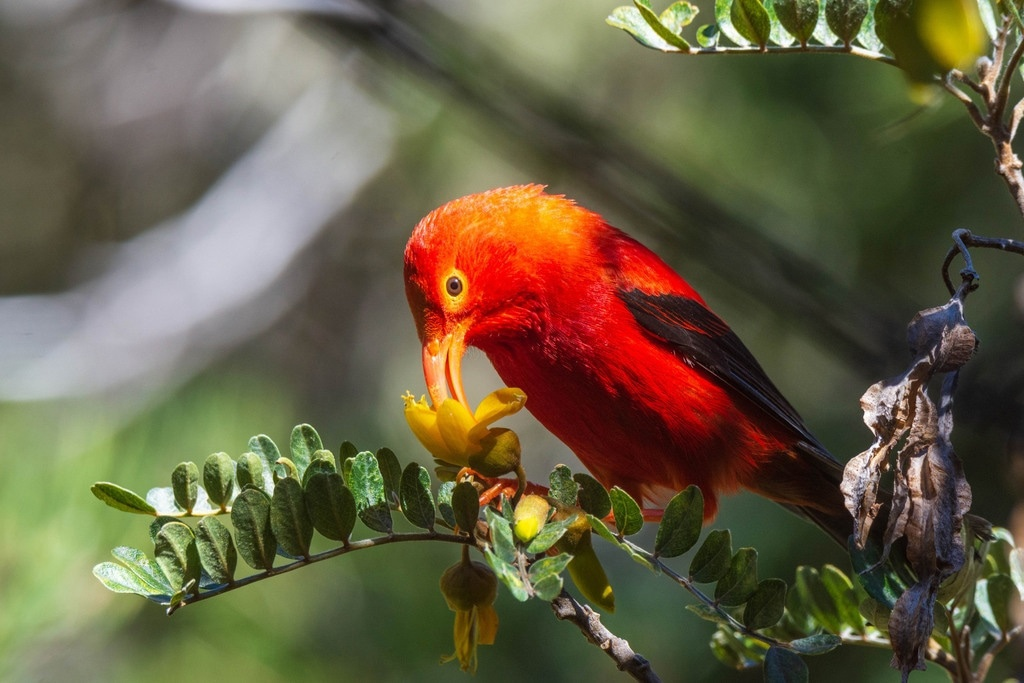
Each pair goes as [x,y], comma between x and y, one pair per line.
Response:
[203,207]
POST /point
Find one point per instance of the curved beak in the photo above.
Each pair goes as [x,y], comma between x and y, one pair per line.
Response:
[442,367]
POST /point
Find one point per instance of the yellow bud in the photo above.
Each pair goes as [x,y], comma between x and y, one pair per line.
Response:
[530,516]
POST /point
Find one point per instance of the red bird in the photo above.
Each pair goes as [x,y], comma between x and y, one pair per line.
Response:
[620,358]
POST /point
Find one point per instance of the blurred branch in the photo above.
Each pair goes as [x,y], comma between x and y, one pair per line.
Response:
[566,608]
[850,320]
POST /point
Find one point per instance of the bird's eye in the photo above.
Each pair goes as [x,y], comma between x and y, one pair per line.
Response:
[454,286]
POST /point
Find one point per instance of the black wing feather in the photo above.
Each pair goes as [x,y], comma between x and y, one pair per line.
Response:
[703,340]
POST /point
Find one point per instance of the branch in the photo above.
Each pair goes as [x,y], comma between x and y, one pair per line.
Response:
[566,608]
[319,557]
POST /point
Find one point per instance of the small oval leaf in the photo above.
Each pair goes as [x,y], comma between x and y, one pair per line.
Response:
[681,523]
[592,496]
[303,444]
[250,515]
[784,666]
[765,607]
[289,518]
[216,550]
[417,502]
[466,506]
[391,471]
[185,484]
[563,487]
[711,561]
[629,519]
[177,555]
[331,505]
[740,581]
[219,478]
[121,498]
[367,485]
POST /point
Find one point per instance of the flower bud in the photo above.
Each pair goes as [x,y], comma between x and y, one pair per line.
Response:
[500,454]
[530,516]
[467,584]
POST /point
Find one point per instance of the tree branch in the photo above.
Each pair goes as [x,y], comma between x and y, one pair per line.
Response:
[566,608]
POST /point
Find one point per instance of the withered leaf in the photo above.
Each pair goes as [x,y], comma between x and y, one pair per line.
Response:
[930,495]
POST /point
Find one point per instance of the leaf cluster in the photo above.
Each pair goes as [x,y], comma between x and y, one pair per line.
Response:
[274,504]
[926,38]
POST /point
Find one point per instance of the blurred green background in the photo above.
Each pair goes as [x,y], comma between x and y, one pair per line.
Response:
[203,218]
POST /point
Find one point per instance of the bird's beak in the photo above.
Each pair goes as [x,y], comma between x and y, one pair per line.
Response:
[442,366]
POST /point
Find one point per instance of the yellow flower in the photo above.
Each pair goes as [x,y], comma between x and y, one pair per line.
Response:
[454,435]
[470,588]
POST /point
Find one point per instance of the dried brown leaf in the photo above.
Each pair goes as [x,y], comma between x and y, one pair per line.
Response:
[930,494]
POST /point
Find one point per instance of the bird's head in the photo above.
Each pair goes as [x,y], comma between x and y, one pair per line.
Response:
[487,270]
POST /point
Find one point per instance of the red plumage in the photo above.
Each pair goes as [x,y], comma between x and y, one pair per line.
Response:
[620,358]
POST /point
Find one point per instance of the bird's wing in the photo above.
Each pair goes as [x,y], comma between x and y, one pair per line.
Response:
[701,339]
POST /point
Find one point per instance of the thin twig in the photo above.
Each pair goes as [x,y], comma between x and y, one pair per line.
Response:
[319,557]
[566,608]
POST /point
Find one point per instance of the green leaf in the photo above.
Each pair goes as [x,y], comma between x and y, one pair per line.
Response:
[331,506]
[322,463]
[875,577]
[216,550]
[751,20]
[444,503]
[254,536]
[784,666]
[545,575]
[289,518]
[678,16]
[711,561]
[630,20]
[845,18]
[391,470]
[813,594]
[507,575]
[250,471]
[267,451]
[417,502]
[146,571]
[723,17]
[563,487]
[549,534]
[185,484]
[162,499]
[766,606]
[291,470]
[629,519]
[817,644]
[1017,568]
[121,498]
[707,35]
[303,444]
[592,496]
[993,596]
[799,17]
[117,578]
[466,506]
[367,485]
[177,555]
[844,597]
[681,523]
[219,478]
[666,33]
[502,539]
[740,581]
